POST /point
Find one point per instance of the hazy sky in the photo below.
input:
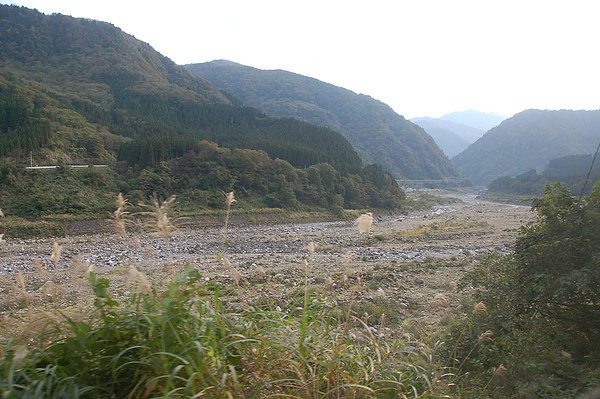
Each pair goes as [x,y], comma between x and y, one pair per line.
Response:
[422,57]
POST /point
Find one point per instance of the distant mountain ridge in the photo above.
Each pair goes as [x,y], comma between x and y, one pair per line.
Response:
[379,134]
[450,136]
[480,120]
[529,140]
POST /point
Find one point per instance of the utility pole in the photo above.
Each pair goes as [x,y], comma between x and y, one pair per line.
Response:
[31,158]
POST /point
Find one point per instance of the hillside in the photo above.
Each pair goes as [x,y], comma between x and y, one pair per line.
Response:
[483,121]
[577,172]
[83,91]
[86,77]
[451,137]
[529,140]
[378,134]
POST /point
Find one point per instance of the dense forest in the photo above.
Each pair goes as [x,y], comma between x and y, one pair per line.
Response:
[199,177]
[378,133]
[82,91]
[529,140]
[571,170]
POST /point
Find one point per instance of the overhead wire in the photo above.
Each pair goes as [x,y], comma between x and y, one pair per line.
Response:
[587,178]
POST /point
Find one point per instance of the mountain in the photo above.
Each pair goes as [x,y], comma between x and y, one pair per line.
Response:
[92,86]
[451,137]
[477,119]
[378,133]
[577,172]
[82,91]
[529,140]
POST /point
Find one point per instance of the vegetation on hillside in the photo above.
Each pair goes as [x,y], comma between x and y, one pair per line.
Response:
[81,91]
[529,140]
[571,170]
[378,134]
[199,175]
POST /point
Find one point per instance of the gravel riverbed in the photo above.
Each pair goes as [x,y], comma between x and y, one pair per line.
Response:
[410,259]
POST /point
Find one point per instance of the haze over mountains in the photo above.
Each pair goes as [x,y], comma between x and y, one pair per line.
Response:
[378,133]
[454,132]
[529,140]
[479,120]
[451,137]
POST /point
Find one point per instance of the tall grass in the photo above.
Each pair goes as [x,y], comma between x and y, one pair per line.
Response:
[159,214]
[229,200]
[184,342]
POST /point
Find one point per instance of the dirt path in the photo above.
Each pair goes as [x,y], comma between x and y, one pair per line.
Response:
[407,268]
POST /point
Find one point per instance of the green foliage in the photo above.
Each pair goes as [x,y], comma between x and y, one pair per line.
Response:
[95,77]
[559,257]
[570,170]
[543,304]
[377,133]
[22,125]
[529,140]
[184,342]
[32,194]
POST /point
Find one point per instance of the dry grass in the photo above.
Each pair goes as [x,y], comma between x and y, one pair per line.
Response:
[229,200]
[364,223]
[56,252]
[120,216]
[158,213]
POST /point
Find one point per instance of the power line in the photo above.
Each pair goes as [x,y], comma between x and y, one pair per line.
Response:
[589,172]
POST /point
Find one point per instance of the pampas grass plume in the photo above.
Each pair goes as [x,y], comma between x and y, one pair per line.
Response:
[261,271]
[501,371]
[440,300]
[20,280]
[138,280]
[119,215]
[364,223]
[56,250]
[229,199]
[1,213]
[480,308]
[486,336]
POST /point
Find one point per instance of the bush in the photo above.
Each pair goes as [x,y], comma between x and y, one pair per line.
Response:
[543,306]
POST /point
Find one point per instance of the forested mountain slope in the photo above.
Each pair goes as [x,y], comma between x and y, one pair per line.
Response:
[529,140]
[86,83]
[82,91]
[378,133]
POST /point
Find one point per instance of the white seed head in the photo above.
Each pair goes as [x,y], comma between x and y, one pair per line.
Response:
[56,250]
[236,275]
[364,223]
[261,270]
[480,308]
[500,371]
[20,280]
[486,336]
[229,199]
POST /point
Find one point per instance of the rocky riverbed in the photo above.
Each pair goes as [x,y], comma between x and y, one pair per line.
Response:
[411,260]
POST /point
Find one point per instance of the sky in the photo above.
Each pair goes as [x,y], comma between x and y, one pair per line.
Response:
[421,57]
